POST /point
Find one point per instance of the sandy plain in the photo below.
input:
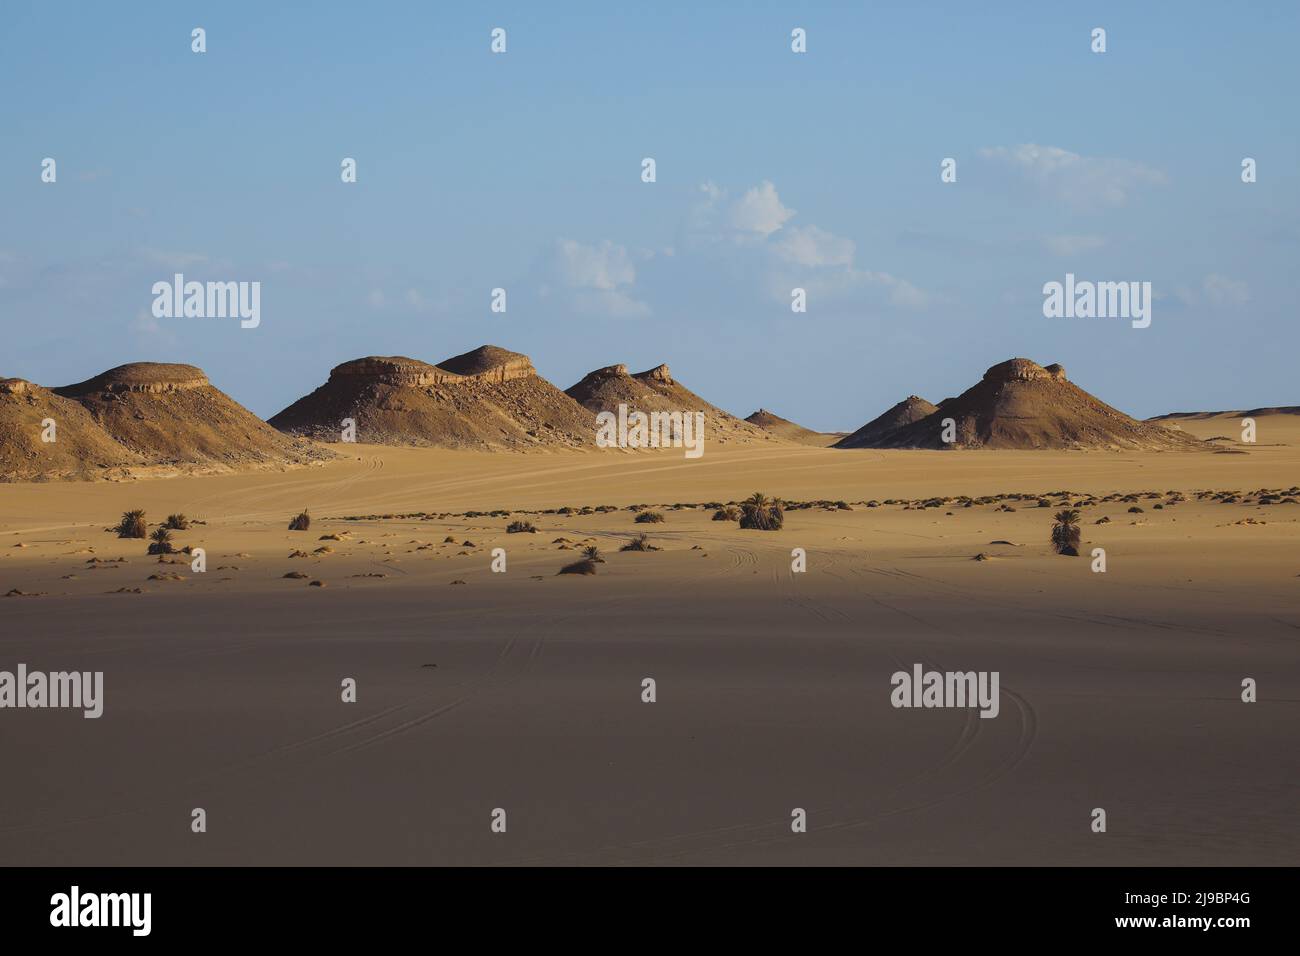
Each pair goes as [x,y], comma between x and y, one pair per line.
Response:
[522,690]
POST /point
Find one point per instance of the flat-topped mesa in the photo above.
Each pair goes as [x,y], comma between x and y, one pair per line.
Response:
[149,377]
[393,370]
[1023,370]
[146,414]
[659,373]
[489,397]
[490,363]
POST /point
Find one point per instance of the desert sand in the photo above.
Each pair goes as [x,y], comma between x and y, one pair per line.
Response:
[522,690]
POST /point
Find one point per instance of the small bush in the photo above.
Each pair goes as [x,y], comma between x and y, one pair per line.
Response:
[162,541]
[649,517]
[301,523]
[177,522]
[1065,533]
[521,527]
[132,525]
[758,512]
[727,513]
[593,554]
[1135,510]
[639,543]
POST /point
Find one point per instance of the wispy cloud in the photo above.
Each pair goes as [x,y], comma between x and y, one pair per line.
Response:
[1223,291]
[751,217]
[1081,181]
[812,246]
[753,233]
[591,279]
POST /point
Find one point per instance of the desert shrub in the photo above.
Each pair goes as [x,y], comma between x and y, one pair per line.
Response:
[162,541]
[761,513]
[521,527]
[1135,510]
[132,525]
[177,522]
[639,543]
[727,513]
[1065,533]
[649,517]
[585,566]
[592,553]
[301,523]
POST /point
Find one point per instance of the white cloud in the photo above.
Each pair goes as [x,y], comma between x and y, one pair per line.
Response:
[759,212]
[813,246]
[751,218]
[751,238]
[865,286]
[592,280]
[1081,181]
[604,266]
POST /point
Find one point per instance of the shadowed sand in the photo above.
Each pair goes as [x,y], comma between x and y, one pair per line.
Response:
[522,690]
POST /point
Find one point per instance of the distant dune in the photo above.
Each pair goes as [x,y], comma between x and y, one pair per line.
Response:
[655,390]
[1245,413]
[1021,404]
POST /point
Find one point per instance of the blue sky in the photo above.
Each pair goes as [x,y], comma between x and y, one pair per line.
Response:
[774,170]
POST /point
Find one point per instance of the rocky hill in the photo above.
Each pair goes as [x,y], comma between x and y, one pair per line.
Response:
[1021,404]
[487,398]
[909,410]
